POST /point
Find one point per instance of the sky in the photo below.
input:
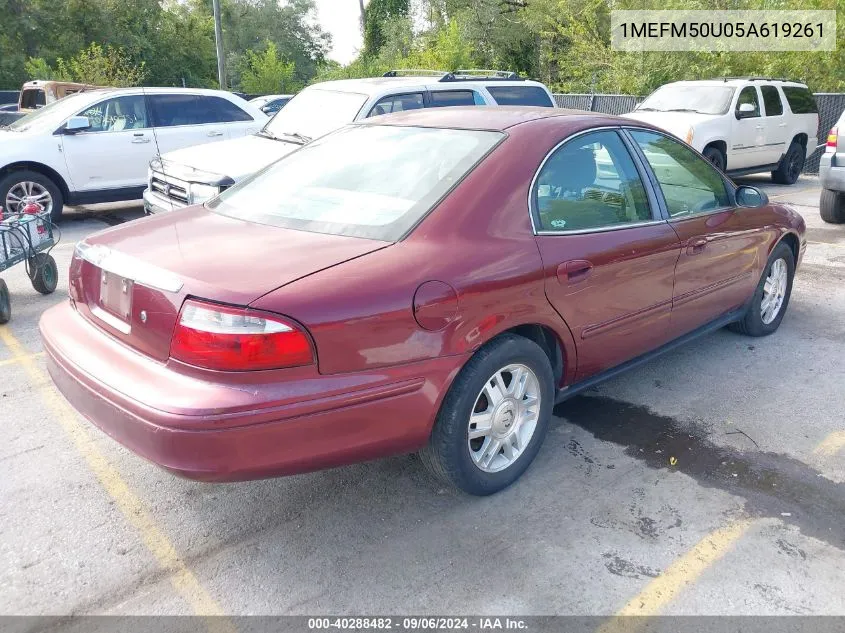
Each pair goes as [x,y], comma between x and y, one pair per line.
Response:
[341,19]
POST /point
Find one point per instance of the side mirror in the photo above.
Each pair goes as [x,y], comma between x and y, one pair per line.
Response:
[77,124]
[751,197]
[745,111]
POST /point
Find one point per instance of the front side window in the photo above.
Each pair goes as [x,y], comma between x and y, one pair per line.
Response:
[748,95]
[398,103]
[398,174]
[446,98]
[220,110]
[771,100]
[689,183]
[117,114]
[520,95]
[589,183]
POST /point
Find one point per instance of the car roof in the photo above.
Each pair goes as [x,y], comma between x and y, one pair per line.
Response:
[373,86]
[190,91]
[496,118]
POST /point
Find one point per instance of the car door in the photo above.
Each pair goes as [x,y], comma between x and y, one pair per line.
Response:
[115,151]
[747,132]
[776,129]
[609,259]
[715,272]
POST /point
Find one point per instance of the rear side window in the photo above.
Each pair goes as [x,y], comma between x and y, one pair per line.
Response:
[771,99]
[181,109]
[800,100]
[33,98]
[520,95]
[445,98]
[398,103]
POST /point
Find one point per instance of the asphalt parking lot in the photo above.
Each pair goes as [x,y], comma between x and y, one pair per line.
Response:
[709,481]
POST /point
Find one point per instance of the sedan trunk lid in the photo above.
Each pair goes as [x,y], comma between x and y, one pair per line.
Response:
[131,280]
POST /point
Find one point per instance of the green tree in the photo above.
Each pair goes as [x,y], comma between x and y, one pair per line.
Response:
[377,14]
[268,73]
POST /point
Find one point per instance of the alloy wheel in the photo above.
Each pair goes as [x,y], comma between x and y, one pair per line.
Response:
[504,418]
[28,192]
[774,291]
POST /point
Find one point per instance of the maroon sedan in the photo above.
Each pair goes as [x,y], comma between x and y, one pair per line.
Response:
[432,281]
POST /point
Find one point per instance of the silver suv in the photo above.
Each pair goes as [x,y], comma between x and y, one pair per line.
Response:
[832,175]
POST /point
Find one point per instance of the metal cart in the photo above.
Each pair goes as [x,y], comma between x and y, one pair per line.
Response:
[27,238]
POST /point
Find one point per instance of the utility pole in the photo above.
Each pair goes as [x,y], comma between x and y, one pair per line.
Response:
[361,5]
[218,40]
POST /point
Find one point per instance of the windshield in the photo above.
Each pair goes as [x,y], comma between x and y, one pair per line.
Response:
[52,115]
[686,98]
[314,113]
[398,174]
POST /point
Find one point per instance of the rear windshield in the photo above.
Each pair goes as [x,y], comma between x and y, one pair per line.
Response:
[33,98]
[367,181]
[520,95]
[800,100]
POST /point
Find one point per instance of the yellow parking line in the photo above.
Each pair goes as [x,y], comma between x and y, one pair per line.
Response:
[831,445]
[679,575]
[153,537]
[18,359]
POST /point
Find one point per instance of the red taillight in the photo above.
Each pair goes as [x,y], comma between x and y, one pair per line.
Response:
[832,138]
[235,339]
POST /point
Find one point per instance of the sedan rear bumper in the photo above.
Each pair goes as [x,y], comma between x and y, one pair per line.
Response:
[393,414]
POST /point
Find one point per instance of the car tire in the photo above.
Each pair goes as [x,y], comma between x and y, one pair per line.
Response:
[790,166]
[832,206]
[5,303]
[477,465]
[716,157]
[15,179]
[776,281]
[43,273]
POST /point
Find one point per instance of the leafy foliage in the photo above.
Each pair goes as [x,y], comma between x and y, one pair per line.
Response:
[267,73]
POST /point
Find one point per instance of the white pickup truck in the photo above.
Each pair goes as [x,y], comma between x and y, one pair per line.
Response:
[196,174]
[742,125]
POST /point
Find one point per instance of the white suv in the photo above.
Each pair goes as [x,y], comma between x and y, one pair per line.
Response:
[742,125]
[96,146]
[194,175]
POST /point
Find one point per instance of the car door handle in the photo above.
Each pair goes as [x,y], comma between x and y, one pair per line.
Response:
[215,133]
[574,271]
[140,139]
[696,246]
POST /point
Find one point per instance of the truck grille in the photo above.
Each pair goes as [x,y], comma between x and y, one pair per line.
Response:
[172,189]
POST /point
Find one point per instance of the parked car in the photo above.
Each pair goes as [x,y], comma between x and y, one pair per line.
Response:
[270,104]
[96,146]
[832,175]
[195,175]
[741,125]
[432,280]
[37,94]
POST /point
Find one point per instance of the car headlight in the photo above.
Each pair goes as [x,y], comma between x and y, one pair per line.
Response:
[200,193]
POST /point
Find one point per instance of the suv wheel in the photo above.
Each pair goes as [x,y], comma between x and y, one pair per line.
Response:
[791,165]
[19,188]
[832,206]
[715,156]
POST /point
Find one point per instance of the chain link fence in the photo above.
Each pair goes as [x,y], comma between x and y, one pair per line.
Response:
[830,105]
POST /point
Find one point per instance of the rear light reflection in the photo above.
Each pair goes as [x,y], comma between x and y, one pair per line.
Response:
[235,339]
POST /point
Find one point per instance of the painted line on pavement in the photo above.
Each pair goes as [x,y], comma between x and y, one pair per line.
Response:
[831,445]
[184,581]
[682,573]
